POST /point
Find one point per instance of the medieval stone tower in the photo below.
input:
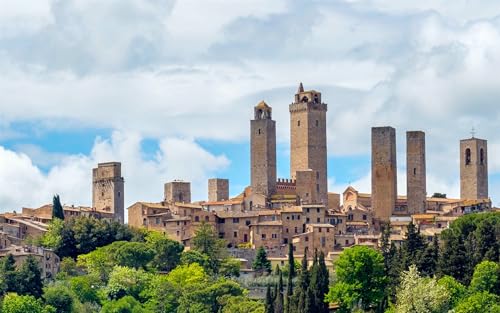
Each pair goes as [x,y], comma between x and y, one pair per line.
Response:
[415,172]
[218,189]
[473,169]
[108,189]
[308,139]
[263,150]
[177,191]
[384,172]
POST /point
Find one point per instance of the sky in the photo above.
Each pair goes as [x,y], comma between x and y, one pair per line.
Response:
[168,88]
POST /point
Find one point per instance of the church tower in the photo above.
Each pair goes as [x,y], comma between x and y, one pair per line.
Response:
[473,169]
[108,189]
[308,139]
[263,150]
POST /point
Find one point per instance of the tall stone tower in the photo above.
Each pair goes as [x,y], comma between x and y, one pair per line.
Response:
[263,150]
[384,172]
[415,172]
[218,189]
[108,189]
[308,139]
[473,169]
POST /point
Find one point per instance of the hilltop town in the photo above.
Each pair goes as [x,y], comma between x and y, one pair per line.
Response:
[275,212]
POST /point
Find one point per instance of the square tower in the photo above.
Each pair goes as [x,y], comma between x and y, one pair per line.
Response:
[308,149]
[473,169]
[108,189]
[263,151]
[384,172]
[178,191]
[415,172]
[218,189]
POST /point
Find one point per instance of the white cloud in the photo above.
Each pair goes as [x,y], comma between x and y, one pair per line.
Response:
[24,184]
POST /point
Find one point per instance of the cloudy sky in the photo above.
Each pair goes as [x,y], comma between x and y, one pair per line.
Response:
[168,87]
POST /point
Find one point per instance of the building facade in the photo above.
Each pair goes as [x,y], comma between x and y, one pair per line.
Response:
[416,172]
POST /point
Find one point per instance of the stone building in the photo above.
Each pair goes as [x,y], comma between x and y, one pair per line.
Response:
[47,260]
[218,189]
[473,169]
[177,191]
[308,150]
[384,172]
[263,151]
[108,190]
[416,172]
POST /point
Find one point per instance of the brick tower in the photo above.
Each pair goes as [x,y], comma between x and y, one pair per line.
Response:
[384,172]
[473,169]
[108,189]
[415,172]
[263,150]
[308,139]
[177,191]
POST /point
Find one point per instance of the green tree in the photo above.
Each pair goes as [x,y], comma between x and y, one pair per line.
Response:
[8,274]
[161,295]
[186,276]
[456,290]
[85,288]
[299,301]
[193,256]
[167,252]
[126,281]
[429,260]
[241,304]
[124,305]
[319,284]
[57,209]
[269,301]
[206,297]
[418,294]
[486,278]
[453,258]
[13,303]
[60,297]
[360,279]
[479,302]
[29,278]
[412,246]
[261,263]
[206,241]
[134,254]
[290,274]
[487,241]
[230,267]
[279,302]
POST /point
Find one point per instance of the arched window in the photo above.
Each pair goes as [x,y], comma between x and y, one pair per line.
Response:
[467,156]
[481,156]
[259,131]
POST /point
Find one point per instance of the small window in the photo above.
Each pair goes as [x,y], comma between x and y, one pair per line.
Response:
[119,194]
[178,233]
[259,131]
[317,123]
[317,187]
[293,217]
[235,234]
[196,218]
[295,229]
[414,171]
[206,218]
[298,123]
[481,156]
[307,210]
[306,238]
[274,236]
[317,210]
[364,217]
[307,219]
[236,220]
[263,236]
[286,230]
[319,229]
[467,157]
[247,222]
[157,220]
[327,230]
[318,220]
[298,217]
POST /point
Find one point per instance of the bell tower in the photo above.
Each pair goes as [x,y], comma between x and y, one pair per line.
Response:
[308,139]
[473,169]
[263,150]
[108,189]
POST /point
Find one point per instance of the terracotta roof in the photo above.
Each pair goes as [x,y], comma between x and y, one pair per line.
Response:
[226,202]
[268,223]
[153,205]
[293,209]
[229,214]
[187,205]
[268,212]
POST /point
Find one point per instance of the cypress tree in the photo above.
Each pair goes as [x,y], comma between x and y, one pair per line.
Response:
[269,305]
[57,209]
[279,303]
[261,263]
[413,246]
[313,292]
[322,286]
[487,243]
[291,274]
[303,285]
[453,259]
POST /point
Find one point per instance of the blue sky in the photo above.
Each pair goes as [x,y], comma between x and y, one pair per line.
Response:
[168,87]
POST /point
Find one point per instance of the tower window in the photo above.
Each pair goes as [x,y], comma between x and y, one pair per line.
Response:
[119,194]
[259,131]
[467,156]
[317,175]
[317,123]
[481,156]
[317,187]
[298,123]
[414,171]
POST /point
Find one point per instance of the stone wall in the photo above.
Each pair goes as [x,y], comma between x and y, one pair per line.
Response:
[218,189]
[108,189]
[473,169]
[416,172]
